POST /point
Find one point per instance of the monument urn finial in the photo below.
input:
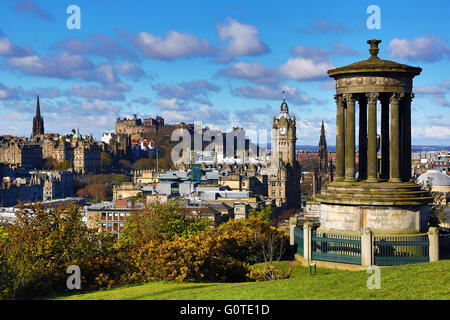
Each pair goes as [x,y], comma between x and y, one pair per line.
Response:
[374,47]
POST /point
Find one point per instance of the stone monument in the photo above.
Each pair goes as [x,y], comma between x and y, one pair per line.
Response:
[382,195]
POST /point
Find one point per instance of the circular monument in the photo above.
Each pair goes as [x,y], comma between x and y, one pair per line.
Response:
[382,197]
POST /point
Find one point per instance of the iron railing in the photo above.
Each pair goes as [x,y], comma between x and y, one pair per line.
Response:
[444,246]
[336,247]
[298,240]
[397,250]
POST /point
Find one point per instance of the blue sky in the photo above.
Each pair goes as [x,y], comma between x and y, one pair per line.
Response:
[224,63]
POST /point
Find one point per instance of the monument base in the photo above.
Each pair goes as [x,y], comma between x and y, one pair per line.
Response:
[380,219]
[384,207]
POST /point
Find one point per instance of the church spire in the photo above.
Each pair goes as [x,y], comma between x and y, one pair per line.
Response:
[38,108]
[38,121]
[323,152]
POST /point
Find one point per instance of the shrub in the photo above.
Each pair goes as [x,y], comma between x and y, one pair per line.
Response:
[267,273]
[221,254]
[197,258]
[42,243]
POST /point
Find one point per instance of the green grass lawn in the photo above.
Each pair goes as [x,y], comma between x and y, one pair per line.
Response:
[415,281]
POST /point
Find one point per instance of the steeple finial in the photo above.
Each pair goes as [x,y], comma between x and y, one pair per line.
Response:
[374,47]
[38,108]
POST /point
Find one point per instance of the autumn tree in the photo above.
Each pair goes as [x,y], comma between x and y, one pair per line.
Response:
[63,165]
[42,242]
[106,161]
[143,164]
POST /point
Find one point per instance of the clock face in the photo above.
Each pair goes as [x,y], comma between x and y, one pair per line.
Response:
[283,130]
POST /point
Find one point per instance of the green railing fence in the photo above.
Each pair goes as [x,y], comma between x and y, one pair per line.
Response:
[444,246]
[336,247]
[397,250]
[298,239]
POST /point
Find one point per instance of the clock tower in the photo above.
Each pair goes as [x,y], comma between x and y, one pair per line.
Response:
[284,171]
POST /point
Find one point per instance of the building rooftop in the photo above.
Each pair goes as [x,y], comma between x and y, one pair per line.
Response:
[437,178]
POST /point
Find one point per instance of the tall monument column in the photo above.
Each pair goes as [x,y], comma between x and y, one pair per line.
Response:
[340,142]
[406,175]
[350,138]
[384,138]
[390,203]
[395,138]
[372,138]
[362,145]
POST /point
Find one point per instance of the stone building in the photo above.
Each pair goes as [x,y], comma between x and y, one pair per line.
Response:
[37,186]
[24,153]
[144,177]
[55,184]
[284,172]
[56,147]
[138,126]
[86,156]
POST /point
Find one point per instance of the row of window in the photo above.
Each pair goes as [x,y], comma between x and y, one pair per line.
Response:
[113,226]
[114,215]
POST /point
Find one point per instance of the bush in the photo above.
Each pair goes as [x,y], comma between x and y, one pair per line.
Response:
[42,243]
[221,254]
[268,273]
[198,258]
[252,240]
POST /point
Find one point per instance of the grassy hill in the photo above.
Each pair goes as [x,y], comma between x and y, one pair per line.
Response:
[418,281]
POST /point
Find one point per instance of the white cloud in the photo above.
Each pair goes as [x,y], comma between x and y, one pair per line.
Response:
[243,39]
[253,71]
[306,69]
[172,104]
[426,48]
[175,45]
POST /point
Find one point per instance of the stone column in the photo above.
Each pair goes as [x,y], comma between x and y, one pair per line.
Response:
[292,224]
[433,238]
[372,138]
[340,142]
[362,101]
[307,241]
[395,138]
[384,138]
[406,143]
[366,247]
[350,139]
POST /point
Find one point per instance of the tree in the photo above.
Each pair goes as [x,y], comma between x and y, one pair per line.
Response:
[63,165]
[42,242]
[118,179]
[265,214]
[97,191]
[49,163]
[159,222]
[83,192]
[124,165]
[436,214]
[143,164]
[106,161]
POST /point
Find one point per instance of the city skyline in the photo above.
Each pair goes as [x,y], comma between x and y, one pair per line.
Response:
[223,64]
